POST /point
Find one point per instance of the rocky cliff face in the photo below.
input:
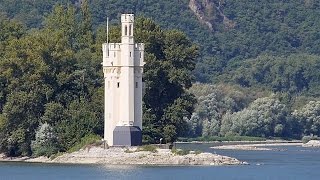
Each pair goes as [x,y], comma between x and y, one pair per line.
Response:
[210,13]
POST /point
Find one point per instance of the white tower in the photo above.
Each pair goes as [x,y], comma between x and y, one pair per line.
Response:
[123,67]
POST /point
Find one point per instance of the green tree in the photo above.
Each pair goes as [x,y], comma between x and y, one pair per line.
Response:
[170,59]
[45,143]
[44,77]
[309,118]
[264,117]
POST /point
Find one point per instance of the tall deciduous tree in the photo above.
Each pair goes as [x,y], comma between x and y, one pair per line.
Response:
[49,77]
[170,59]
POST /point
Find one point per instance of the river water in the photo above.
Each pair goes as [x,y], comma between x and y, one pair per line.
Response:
[293,163]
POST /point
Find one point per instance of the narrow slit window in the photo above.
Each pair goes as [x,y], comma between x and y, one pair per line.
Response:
[136,84]
[130,27]
[140,55]
[130,54]
[118,84]
[125,30]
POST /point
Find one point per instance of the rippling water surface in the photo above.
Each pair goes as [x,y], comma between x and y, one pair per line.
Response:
[294,163]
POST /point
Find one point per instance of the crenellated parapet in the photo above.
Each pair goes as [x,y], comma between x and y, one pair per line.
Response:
[114,46]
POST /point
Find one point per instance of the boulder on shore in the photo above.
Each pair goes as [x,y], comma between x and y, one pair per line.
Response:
[312,143]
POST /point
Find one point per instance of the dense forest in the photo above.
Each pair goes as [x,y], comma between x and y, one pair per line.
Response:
[52,84]
[245,68]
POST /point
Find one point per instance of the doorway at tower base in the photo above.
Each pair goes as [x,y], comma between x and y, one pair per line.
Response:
[127,136]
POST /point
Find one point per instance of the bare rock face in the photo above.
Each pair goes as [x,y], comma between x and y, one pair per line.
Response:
[210,13]
[312,143]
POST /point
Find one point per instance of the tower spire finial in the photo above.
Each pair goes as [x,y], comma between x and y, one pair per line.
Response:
[107,29]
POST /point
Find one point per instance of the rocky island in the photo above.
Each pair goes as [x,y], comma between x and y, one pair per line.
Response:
[134,156]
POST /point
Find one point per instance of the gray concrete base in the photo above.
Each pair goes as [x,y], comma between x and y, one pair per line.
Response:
[127,136]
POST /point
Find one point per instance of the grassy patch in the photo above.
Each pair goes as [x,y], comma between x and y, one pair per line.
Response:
[180,152]
[149,148]
[197,152]
[91,139]
[56,155]
[128,151]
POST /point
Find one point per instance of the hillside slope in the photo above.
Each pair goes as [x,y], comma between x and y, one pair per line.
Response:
[228,31]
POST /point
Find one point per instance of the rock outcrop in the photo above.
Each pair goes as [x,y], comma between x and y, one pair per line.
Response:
[210,13]
[312,143]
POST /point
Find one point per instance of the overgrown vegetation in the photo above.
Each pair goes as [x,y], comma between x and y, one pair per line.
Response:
[87,142]
[51,83]
[306,139]
[265,71]
[228,112]
[149,148]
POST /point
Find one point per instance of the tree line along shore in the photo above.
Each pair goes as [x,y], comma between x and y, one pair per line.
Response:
[214,85]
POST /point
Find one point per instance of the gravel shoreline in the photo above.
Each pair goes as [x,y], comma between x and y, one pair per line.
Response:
[121,156]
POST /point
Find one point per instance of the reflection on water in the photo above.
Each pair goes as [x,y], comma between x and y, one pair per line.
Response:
[119,167]
[294,163]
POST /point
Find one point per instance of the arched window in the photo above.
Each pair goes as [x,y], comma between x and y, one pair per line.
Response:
[125,30]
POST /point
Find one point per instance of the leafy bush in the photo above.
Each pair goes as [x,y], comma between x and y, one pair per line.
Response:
[306,139]
[45,143]
[308,118]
